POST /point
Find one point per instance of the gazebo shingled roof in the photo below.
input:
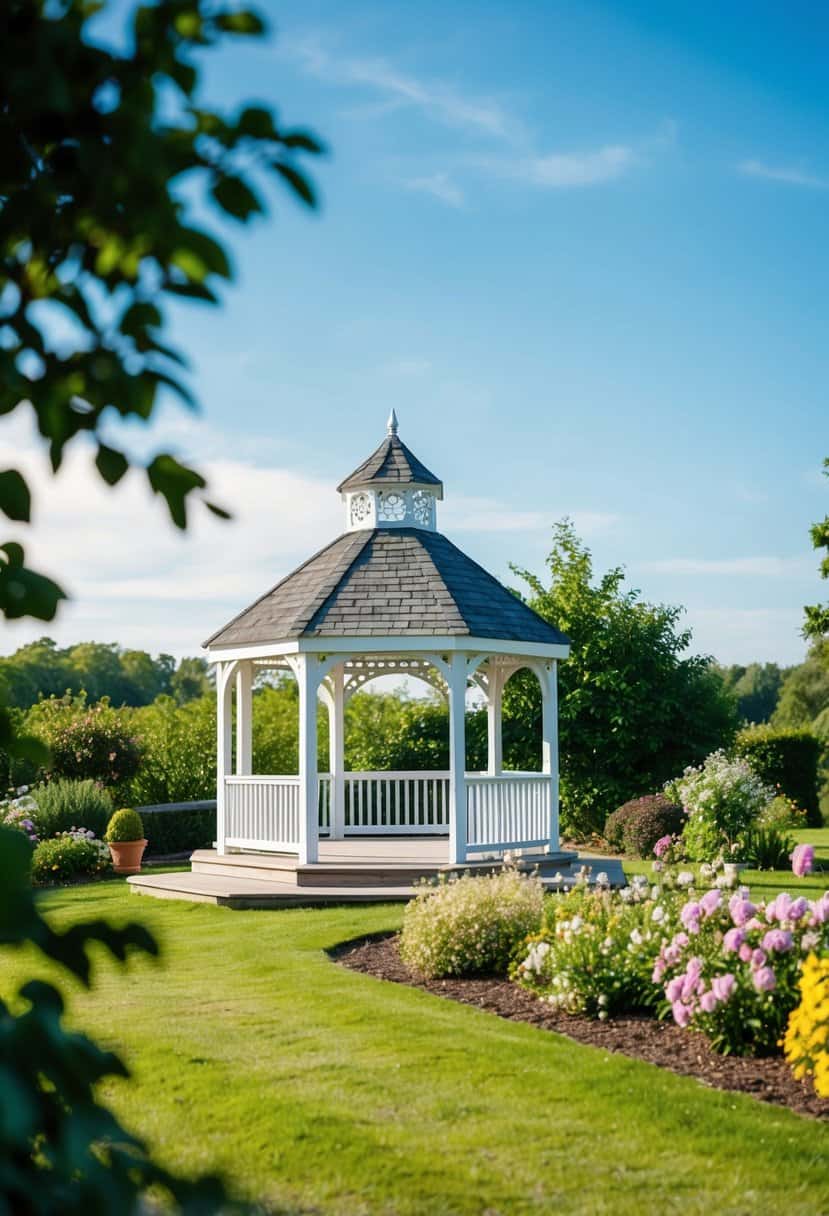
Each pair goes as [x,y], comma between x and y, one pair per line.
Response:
[381,582]
[391,462]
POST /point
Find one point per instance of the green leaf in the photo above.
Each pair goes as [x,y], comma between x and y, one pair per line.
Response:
[174,481]
[24,592]
[235,197]
[217,510]
[140,316]
[245,22]
[299,184]
[257,122]
[111,464]
[304,141]
[15,499]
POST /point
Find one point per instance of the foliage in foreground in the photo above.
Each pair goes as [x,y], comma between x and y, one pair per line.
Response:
[470,925]
[806,1043]
[61,1150]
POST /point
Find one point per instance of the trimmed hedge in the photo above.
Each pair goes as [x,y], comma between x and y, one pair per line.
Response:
[179,828]
[637,825]
[787,758]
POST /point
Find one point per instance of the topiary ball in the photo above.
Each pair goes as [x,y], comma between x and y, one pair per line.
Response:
[124,827]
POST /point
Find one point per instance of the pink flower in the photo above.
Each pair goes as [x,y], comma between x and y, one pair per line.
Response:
[758,958]
[764,979]
[708,1002]
[745,953]
[799,908]
[662,845]
[779,908]
[778,940]
[722,986]
[682,1013]
[674,987]
[820,910]
[690,915]
[732,941]
[803,860]
[741,909]
[710,901]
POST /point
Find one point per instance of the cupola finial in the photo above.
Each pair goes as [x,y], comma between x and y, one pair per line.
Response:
[391,425]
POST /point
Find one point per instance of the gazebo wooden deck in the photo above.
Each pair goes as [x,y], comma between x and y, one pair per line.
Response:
[390,596]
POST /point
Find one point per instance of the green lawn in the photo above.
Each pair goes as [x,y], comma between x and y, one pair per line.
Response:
[319,1090]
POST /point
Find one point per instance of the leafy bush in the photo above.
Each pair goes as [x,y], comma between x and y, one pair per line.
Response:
[597,948]
[175,830]
[63,804]
[788,759]
[470,925]
[69,856]
[124,826]
[767,848]
[722,799]
[732,970]
[806,1043]
[636,826]
[178,743]
[782,812]
[86,742]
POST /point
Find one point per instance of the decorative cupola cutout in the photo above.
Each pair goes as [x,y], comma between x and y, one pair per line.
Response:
[391,489]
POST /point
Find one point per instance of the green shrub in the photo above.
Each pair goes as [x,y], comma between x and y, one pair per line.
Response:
[637,825]
[93,742]
[178,744]
[179,830]
[125,826]
[782,812]
[63,804]
[67,857]
[768,848]
[470,925]
[788,759]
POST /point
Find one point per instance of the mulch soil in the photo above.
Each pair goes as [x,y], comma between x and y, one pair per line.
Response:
[642,1037]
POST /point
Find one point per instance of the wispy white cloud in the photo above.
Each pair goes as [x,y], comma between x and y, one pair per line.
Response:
[782,173]
[752,567]
[467,513]
[440,186]
[562,171]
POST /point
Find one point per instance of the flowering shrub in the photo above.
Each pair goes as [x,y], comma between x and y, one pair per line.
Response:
[86,742]
[73,854]
[18,812]
[806,1043]
[722,798]
[470,925]
[596,951]
[638,824]
[803,860]
[61,805]
[782,812]
[732,969]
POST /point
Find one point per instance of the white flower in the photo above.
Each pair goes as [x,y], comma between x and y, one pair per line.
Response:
[576,923]
[626,895]
[658,913]
[636,937]
[685,878]
[602,879]
[602,1000]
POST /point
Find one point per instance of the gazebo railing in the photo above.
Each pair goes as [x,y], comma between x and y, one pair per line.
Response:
[396,803]
[508,811]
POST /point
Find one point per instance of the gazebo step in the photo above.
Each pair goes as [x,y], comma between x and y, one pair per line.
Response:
[239,893]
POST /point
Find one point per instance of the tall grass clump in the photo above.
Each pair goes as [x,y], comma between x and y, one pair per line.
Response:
[470,925]
[63,804]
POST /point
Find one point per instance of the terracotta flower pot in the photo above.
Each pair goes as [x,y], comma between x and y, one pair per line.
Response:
[126,856]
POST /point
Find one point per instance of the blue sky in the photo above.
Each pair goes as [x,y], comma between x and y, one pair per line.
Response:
[581,249]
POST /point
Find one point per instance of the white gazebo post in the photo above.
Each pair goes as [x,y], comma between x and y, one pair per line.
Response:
[224,746]
[495,745]
[549,744]
[336,752]
[244,717]
[307,676]
[457,757]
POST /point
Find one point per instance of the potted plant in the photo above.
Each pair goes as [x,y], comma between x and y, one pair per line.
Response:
[125,837]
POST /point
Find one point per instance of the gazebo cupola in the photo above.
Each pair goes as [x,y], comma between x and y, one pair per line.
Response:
[391,489]
[390,596]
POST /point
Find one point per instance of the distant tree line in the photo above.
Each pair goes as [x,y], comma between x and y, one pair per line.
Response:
[99,669]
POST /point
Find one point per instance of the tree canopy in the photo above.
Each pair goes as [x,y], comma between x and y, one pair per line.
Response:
[634,708]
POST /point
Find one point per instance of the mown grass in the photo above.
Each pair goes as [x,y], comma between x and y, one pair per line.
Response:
[316,1089]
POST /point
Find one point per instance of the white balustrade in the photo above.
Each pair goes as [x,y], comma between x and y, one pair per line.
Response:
[380,804]
[509,811]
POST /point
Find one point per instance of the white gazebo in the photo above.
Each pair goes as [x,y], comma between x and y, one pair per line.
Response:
[390,596]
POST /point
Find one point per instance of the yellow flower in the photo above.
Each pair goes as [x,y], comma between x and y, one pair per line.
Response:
[806,1043]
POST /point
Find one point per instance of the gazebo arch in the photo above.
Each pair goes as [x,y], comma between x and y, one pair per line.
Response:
[391,595]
